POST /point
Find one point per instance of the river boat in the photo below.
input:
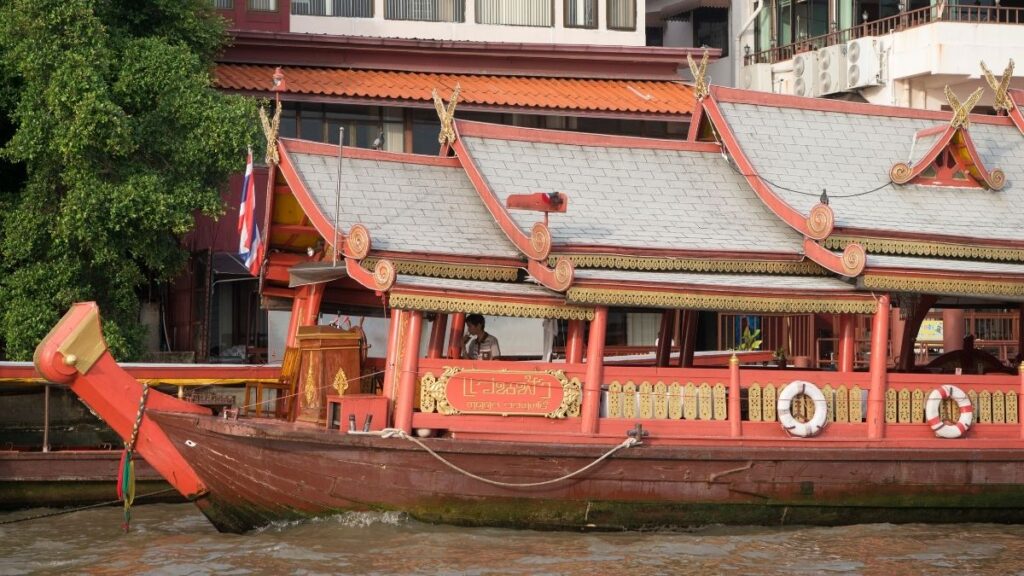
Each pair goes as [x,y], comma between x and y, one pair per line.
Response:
[858,217]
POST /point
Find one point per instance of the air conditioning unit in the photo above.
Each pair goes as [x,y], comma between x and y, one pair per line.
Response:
[863,63]
[756,77]
[832,69]
[805,74]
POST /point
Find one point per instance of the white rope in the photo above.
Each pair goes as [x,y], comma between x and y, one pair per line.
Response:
[396,433]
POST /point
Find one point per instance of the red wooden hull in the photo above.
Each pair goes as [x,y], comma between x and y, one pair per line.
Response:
[259,471]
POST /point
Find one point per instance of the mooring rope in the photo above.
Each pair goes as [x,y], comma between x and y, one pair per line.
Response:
[126,475]
[396,433]
[80,508]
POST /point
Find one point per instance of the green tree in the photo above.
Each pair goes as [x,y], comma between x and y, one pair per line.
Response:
[120,140]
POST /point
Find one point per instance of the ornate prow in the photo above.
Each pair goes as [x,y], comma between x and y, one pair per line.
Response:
[75,353]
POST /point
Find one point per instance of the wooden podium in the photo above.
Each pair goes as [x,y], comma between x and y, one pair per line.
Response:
[330,362]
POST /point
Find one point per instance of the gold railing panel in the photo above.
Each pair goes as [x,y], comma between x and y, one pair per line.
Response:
[629,400]
[720,407]
[615,399]
[675,401]
[660,400]
[754,403]
[646,410]
[690,401]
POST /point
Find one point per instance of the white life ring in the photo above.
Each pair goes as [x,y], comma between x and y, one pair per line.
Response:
[802,429]
[931,412]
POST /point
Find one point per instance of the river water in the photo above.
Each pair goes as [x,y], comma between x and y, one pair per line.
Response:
[175,539]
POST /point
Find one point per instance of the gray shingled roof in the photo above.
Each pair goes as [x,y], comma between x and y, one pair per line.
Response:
[807,150]
[406,207]
[753,282]
[633,197]
[877,261]
[502,288]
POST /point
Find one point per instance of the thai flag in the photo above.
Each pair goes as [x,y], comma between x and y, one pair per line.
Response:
[250,245]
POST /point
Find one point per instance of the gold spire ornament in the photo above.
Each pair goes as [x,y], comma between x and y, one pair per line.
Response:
[1002,100]
[700,80]
[961,112]
[270,129]
[447,116]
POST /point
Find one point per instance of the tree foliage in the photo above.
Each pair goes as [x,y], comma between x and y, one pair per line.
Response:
[118,140]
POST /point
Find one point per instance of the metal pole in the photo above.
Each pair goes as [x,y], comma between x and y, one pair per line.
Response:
[46,418]
[337,197]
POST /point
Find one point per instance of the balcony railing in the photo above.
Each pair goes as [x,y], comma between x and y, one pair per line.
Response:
[425,10]
[224,4]
[897,23]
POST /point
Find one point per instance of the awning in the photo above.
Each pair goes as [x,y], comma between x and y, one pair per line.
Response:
[308,273]
[620,97]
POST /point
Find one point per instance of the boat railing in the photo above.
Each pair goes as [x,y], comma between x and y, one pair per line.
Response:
[696,402]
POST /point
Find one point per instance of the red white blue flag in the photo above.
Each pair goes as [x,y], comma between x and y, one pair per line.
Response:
[250,245]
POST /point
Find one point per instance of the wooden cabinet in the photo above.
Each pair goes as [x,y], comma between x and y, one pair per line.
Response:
[330,363]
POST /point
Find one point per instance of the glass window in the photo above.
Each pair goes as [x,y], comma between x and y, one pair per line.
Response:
[711,28]
[426,10]
[263,5]
[224,4]
[311,122]
[515,12]
[580,13]
[622,16]
[425,127]
[287,128]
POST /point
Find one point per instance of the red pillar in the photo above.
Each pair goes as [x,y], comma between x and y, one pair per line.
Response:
[591,408]
[1020,400]
[437,331]
[847,342]
[735,411]
[391,357]
[455,335]
[953,330]
[574,343]
[407,380]
[688,343]
[305,310]
[879,360]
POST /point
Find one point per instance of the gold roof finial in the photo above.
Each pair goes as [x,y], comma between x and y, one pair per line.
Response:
[961,112]
[700,81]
[270,130]
[447,116]
[1002,101]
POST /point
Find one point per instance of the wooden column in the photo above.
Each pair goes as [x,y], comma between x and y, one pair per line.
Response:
[879,359]
[590,411]
[664,351]
[1020,400]
[735,410]
[391,359]
[953,330]
[688,342]
[847,342]
[1020,332]
[305,310]
[911,327]
[455,335]
[407,380]
[574,343]
[437,332]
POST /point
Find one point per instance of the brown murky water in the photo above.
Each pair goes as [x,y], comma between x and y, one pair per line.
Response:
[176,540]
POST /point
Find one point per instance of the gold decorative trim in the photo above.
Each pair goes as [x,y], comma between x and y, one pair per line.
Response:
[820,221]
[920,248]
[310,388]
[649,299]
[700,79]
[454,271]
[962,112]
[929,285]
[803,268]
[340,383]
[1001,101]
[433,395]
[490,308]
[901,173]
[446,114]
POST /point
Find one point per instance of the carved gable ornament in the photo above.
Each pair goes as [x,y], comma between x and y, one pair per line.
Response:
[952,160]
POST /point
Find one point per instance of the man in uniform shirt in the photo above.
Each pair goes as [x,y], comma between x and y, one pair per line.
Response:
[482,346]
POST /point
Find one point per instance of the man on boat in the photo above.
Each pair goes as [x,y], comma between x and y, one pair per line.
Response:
[482,346]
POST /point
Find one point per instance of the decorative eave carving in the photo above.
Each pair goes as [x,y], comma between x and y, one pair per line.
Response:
[958,140]
[912,247]
[454,270]
[850,263]
[536,246]
[355,247]
[832,303]
[492,307]
[805,267]
[950,286]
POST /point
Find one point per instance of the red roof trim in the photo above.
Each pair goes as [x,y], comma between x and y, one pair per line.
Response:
[1017,98]
[321,149]
[500,132]
[777,205]
[291,176]
[735,95]
[959,142]
[759,290]
[640,252]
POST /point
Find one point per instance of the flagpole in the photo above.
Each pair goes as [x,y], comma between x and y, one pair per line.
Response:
[337,197]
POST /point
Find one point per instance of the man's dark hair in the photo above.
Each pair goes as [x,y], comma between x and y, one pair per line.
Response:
[475,320]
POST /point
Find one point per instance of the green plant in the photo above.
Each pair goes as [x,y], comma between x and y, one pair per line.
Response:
[750,339]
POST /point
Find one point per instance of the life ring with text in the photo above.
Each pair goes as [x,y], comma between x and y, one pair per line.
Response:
[785,404]
[933,406]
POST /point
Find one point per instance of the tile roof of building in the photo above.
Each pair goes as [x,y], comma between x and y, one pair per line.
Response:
[518,92]
[882,262]
[635,197]
[406,207]
[797,152]
[743,282]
